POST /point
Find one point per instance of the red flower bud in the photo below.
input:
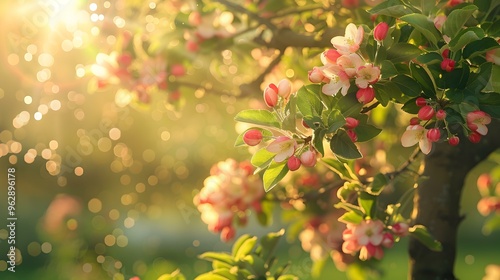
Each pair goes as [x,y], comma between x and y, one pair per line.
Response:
[414,121]
[308,158]
[178,70]
[351,123]
[365,95]
[293,163]
[475,137]
[421,102]
[271,95]
[380,31]
[441,114]
[448,64]
[426,113]
[454,140]
[227,233]
[252,137]
[446,53]
[352,134]
[433,134]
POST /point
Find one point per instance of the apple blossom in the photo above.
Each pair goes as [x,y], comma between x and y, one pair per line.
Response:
[316,76]
[477,121]
[380,31]
[350,63]
[349,43]
[283,147]
[400,229]
[339,81]
[367,74]
[252,137]
[426,113]
[330,56]
[493,56]
[416,134]
[365,95]
[368,237]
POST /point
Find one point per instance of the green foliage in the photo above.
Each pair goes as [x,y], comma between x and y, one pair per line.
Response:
[422,234]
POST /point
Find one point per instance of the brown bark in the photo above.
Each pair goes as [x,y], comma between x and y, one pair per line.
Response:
[437,203]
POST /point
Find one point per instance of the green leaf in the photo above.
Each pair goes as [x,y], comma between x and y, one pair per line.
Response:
[308,102]
[387,69]
[343,146]
[317,140]
[366,132]
[457,19]
[430,58]
[349,105]
[256,263]
[407,85]
[479,47]
[342,169]
[402,52]
[458,78]
[424,25]
[289,123]
[274,173]
[494,81]
[464,37]
[176,275]
[237,244]
[219,264]
[377,185]
[349,207]
[261,159]
[386,91]
[266,135]
[490,103]
[367,203]
[422,77]
[335,120]
[211,276]
[478,81]
[268,245]
[217,256]
[244,248]
[421,233]
[288,277]
[351,217]
[491,224]
[410,106]
[258,117]
[391,8]
[494,29]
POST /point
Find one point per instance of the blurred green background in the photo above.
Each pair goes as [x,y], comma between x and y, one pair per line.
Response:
[105,192]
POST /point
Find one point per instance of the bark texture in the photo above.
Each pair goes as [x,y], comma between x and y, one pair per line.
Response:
[437,203]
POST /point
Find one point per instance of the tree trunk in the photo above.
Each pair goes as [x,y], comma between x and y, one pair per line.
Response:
[437,203]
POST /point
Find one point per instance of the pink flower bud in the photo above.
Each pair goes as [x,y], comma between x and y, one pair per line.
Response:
[439,21]
[421,102]
[446,53]
[316,76]
[252,137]
[380,31]
[308,158]
[192,46]
[475,137]
[454,140]
[293,163]
[400,229]
[426,113]
[227,233]
[284,88]
[484,182]
[433,134]
[448,64]
[351,123]
[331,55]
[124,60]
[352,134]
[271,95]
[441,114]
[365,95]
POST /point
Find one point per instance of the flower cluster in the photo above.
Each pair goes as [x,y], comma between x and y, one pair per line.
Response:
[369,237]
[216,24]
[138,77]
[489,188]
[431,111]
[228,193]
[343,64]
[322,237]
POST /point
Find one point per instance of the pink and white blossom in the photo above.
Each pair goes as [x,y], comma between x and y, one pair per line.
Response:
[477,121]
[367,75]
[416,134]
[349,43]
[284,147]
